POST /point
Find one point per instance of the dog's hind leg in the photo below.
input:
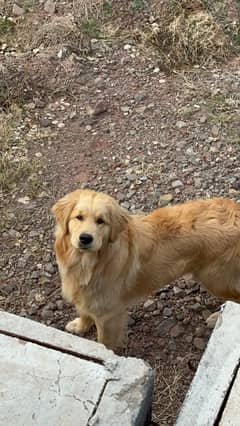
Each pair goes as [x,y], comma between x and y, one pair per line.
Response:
[112,331]
[80,325]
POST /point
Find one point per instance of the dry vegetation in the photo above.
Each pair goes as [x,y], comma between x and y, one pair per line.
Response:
[37,45]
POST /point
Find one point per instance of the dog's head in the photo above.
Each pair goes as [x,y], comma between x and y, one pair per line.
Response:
[90,219]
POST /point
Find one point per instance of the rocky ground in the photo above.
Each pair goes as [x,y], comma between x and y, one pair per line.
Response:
[115,121]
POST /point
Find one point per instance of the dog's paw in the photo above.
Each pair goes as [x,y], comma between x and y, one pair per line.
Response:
[75,327]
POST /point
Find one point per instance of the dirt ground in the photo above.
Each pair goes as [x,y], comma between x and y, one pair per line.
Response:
[92,106]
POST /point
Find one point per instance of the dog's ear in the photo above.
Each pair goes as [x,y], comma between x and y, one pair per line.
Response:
[119,219]
[63,208]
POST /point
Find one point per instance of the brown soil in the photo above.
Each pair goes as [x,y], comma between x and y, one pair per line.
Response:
[101,113]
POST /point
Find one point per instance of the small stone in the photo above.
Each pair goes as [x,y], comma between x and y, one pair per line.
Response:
[178,291]
[150,305]
[203,119]
[160,306]
[125,109]
[195,307]
[167,312]
[98,109]
[50,7]
[215,131]
[72,114]
[197,183]
[236,185]
[164,327]
[46,314]
[180,124]
[35,275]
[199,343]
[50,268]
[200,331]
[177,331]
[9,288]
[212,320]
[59,304]
[38,154]
[177,184]
[17,10]
[45,122]
[188,339]
[140,97]
[180,316]
[163,296]
[30,106]
[205,314]
[165,199]
[24,200]
[141,109]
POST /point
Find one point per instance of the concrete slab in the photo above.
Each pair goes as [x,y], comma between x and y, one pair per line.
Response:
[208,395]
[49,377]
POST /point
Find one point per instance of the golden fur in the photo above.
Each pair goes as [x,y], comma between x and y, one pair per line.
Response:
[132,256]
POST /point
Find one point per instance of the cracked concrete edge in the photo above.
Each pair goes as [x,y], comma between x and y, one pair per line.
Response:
[27,329]
[215,371]
[128,394]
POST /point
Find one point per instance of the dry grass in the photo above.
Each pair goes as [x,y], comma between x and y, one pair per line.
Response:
[186,33]
[168,393]
[14,163]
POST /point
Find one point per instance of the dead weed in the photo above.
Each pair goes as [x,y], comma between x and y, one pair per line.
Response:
[186,33]
[14,163]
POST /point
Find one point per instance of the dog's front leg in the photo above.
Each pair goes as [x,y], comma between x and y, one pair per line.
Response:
[112,331]
[80,325]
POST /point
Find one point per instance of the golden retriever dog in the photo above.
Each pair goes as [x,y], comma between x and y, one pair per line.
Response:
[109,259]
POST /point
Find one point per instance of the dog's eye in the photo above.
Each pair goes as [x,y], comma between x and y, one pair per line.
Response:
[79,217]
[100,221]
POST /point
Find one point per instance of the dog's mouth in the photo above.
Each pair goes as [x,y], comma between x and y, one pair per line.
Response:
[85,248]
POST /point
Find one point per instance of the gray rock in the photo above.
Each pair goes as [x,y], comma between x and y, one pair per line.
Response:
[50,7]
[45,122]
[177,184]
[178,291]
[177,331]
[50,268]
[195,307]
[141,109]
[203,119]
[125,109]
[17,10]
[215,131]
[165,327]
[35,274]
[167,312]
[181,124]
[199,343]
[46,314]
[188,339]
[200,332]
[165,199]
[150,305]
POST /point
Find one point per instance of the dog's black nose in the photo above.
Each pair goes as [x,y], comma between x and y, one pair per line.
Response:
[85,239]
